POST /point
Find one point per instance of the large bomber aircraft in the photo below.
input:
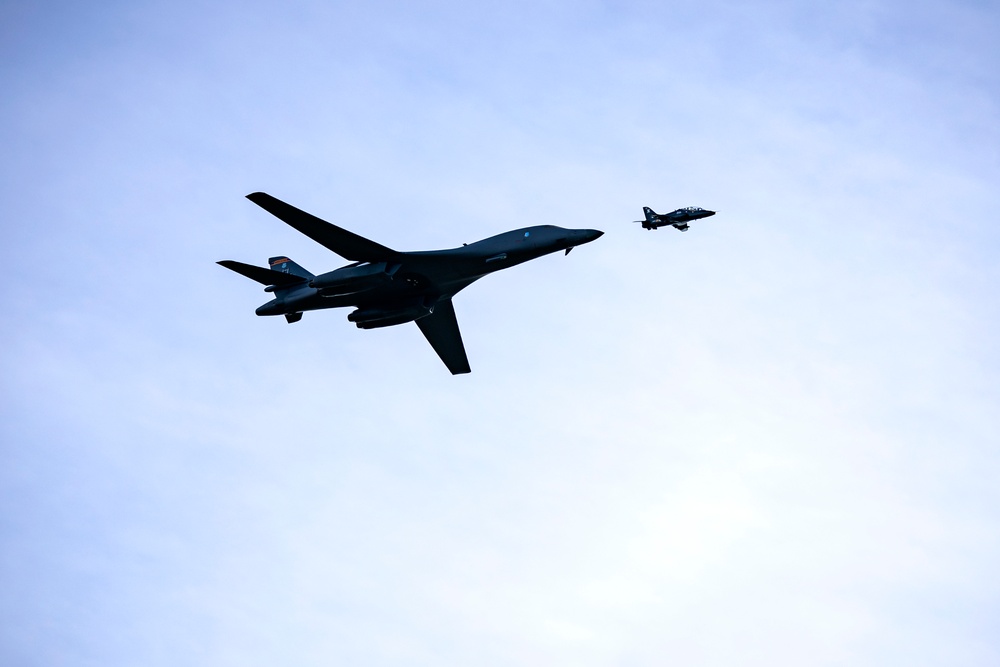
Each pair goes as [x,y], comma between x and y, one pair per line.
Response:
[387,287]
[679,218]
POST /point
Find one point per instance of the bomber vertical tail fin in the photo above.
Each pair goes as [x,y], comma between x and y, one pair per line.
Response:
[284,265]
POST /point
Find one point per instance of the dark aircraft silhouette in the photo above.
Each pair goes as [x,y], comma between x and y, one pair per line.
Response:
[679,218]
[389,287]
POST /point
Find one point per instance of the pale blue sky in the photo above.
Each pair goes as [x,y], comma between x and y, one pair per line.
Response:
[772,440]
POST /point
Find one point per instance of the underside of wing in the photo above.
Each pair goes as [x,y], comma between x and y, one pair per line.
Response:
[442,332]
[346,244]
[262,275]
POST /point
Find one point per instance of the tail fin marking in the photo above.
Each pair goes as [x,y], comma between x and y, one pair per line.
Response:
[282,264]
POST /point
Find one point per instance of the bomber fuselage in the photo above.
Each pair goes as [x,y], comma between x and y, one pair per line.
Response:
[408,277]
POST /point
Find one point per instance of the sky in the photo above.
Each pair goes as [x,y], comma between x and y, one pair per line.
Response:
[771,440]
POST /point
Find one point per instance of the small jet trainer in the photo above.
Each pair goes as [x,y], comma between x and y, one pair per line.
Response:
[679,218]
[387,287]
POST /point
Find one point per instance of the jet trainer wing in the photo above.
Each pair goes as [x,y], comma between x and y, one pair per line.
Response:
[442,332]
[262,275]
[346,244]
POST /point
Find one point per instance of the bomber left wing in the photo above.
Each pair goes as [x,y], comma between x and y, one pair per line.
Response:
[346,244]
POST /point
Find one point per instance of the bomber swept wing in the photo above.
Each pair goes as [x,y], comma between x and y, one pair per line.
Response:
[346,244]
[440,328]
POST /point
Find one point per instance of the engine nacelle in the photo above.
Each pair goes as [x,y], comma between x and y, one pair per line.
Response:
[373,318]
[354,278]
[289,302]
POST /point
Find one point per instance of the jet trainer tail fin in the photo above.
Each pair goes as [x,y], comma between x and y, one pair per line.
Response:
[650,213]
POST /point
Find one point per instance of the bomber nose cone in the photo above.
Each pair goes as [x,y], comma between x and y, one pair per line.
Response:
[581,236]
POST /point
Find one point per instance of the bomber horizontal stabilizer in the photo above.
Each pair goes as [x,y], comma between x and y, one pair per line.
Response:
[262,275]
[346,244]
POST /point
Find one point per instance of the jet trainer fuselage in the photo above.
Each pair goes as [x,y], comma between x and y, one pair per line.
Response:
[678,219]
[388,287]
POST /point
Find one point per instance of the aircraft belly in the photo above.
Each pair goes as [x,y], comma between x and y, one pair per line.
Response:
[381,294]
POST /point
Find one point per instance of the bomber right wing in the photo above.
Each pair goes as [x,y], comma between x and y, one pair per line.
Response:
[442,332]
[346,244]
